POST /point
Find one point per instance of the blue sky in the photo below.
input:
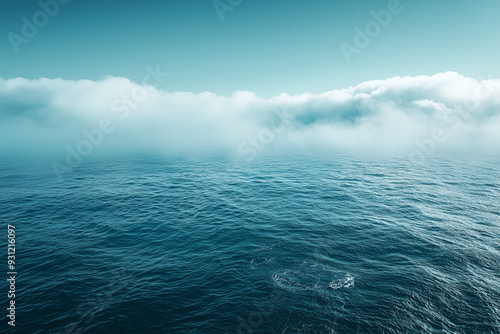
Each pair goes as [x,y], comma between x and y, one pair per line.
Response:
[267,47]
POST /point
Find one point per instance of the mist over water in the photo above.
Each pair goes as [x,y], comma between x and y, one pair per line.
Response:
[290,243]
[415,116]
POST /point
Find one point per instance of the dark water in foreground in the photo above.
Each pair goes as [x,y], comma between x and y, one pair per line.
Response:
[325,244]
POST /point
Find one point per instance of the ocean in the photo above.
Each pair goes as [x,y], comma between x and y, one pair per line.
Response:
[285,244]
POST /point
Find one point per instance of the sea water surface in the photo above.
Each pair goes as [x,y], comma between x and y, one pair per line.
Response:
[318,243]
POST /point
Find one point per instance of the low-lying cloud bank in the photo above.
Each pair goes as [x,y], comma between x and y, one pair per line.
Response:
[74,119]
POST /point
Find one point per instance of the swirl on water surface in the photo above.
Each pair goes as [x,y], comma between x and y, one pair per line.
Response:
[313,276]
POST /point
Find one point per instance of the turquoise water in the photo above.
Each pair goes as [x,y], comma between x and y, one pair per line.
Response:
[287,244]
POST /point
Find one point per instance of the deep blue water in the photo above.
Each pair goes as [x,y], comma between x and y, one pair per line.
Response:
[286,244]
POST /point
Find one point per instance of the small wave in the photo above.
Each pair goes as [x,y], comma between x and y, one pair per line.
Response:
[260,261]
[346,282]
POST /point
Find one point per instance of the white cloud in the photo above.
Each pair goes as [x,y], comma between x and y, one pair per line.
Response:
[47,115]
